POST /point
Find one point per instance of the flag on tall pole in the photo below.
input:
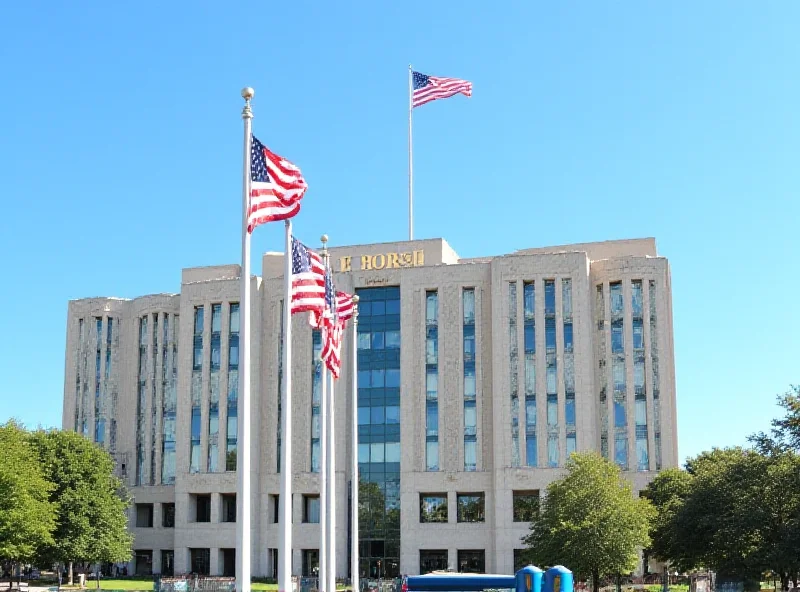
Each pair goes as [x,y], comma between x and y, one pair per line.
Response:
[272,190]
[423,88]
[354,559]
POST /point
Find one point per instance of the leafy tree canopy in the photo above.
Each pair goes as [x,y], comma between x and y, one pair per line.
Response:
[590,521]
[91,523]
[27,517]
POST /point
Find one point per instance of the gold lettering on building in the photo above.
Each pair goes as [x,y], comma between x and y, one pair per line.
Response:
[384,261]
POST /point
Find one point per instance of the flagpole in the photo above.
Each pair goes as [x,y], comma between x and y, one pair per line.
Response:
[331,485]
[243,462]
[285,499]
[410,155]
[354,451]
[323,455]
[330,476]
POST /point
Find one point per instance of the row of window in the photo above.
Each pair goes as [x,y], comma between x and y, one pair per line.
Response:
[471,507]
[199,511]
[618,402]
[213,399]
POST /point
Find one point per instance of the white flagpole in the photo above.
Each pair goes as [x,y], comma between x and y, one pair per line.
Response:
[323,482]
[323,457]
[285,499]
[243,461]
[331,486]
[354,451]
[410,155]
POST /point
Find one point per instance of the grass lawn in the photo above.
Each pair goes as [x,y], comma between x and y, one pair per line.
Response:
[145,585]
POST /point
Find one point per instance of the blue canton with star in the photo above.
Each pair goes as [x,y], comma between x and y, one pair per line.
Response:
[330,292]
[420,80]
[258,162]
[301,260]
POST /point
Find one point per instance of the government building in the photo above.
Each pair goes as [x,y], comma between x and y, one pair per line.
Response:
[476,380]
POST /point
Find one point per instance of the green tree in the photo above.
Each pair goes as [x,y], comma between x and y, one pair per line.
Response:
[737,512]
[667,493]
[785,432]
[91,521]
[590,521]
[27,517]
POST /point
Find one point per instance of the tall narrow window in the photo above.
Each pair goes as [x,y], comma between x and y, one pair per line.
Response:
[80,412]
[213,387]
[569,365]
[154,402]
[618,375]
[99,416]
[232,427]
[169,406]
[196,389]
[602,380]
[639,386]
[316,398]
[141,403]
[529,308]
[432,380]
[551,369]
[278,434]
[470,396]
[513,341]
[655,372]
[379,392]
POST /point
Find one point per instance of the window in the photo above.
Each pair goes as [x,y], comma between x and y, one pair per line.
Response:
[143,562]
[232,429]
[311,563]
[433,507]
[275,505]
[311,509]
[273,563]
[526,505]
[471,507]
[513,340]
[167,562]
[144,515]
[470,561]
[228,507]
[200,560]
[616,297]
[432,381]
[202,508]
[228,561]
[168,515]
[432,560]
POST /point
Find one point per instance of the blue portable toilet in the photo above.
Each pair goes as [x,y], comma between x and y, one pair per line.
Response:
[558,579]
[529,579]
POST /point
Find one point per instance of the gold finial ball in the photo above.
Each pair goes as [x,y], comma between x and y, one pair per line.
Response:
[355,299]
[324,238]
[248,93]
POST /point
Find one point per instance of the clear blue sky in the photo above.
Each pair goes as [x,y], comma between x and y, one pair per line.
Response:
[120,158]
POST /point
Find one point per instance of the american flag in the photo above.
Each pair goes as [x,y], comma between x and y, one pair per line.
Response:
[332,328]
[429,88]
[308,279]
[276,186]
[344,306]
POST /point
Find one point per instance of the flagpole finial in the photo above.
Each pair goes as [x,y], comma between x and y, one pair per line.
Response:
[324,240]
[247,94]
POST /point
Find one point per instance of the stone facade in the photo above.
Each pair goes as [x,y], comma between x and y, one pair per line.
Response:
[134,390]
